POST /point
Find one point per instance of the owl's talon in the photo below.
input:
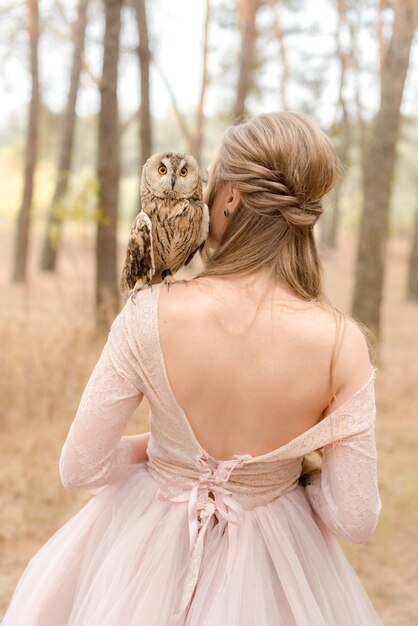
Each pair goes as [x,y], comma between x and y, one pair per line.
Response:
[135,290]
[169,280]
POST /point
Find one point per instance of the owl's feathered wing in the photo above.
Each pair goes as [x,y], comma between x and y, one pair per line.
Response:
[139,264]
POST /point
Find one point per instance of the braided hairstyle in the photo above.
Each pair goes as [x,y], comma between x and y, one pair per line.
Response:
[282,164]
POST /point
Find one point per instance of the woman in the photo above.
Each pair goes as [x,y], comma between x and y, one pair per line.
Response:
[218,516]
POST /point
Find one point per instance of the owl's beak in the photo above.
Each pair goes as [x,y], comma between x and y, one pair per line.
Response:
[173,181]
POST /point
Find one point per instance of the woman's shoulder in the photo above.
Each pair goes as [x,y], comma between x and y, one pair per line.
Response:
[186,297]
[352,367]
[310,326]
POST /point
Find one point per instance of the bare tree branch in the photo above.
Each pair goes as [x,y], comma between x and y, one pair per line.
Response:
[184,127]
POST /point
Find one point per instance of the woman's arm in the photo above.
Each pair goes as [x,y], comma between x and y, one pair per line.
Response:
[138,445]
[345,494]
[95,453]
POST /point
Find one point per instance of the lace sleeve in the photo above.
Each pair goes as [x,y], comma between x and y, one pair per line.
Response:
[95,453]
[345,494]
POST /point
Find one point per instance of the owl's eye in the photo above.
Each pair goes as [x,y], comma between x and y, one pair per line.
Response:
[162,170]
[183,171]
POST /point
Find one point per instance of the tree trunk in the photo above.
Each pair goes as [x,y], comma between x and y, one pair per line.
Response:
[144,57]
[412,292]
[278,32]
[247,14]
[342,126]
[378,174]
[196,139]
[380,36]
[356,67]
[334,218]
[107,292]
[53,230]
[23,221]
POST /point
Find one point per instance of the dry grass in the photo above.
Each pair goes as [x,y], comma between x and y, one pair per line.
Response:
[49,349]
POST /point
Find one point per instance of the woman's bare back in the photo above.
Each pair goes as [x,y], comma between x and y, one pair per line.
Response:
[251,380]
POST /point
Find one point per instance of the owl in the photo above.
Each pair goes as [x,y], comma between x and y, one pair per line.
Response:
[173,223]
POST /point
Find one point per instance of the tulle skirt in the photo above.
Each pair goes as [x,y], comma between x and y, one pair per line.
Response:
[123,558]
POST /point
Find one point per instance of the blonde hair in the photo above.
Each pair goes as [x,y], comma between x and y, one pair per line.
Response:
[282,165]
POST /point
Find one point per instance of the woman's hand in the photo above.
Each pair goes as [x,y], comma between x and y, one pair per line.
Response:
[138,445]
[311,466]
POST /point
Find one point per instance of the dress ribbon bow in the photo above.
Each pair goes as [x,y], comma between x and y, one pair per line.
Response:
[224,504]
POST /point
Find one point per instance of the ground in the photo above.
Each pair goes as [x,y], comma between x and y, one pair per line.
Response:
[49,350]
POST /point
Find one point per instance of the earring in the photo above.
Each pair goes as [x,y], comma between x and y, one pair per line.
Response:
[227,212]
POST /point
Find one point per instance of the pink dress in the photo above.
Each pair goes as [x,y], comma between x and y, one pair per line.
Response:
[186,539]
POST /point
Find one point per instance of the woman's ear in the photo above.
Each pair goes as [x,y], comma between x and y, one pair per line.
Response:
[233,197]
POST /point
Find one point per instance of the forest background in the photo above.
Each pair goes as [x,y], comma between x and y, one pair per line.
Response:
[89,89]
